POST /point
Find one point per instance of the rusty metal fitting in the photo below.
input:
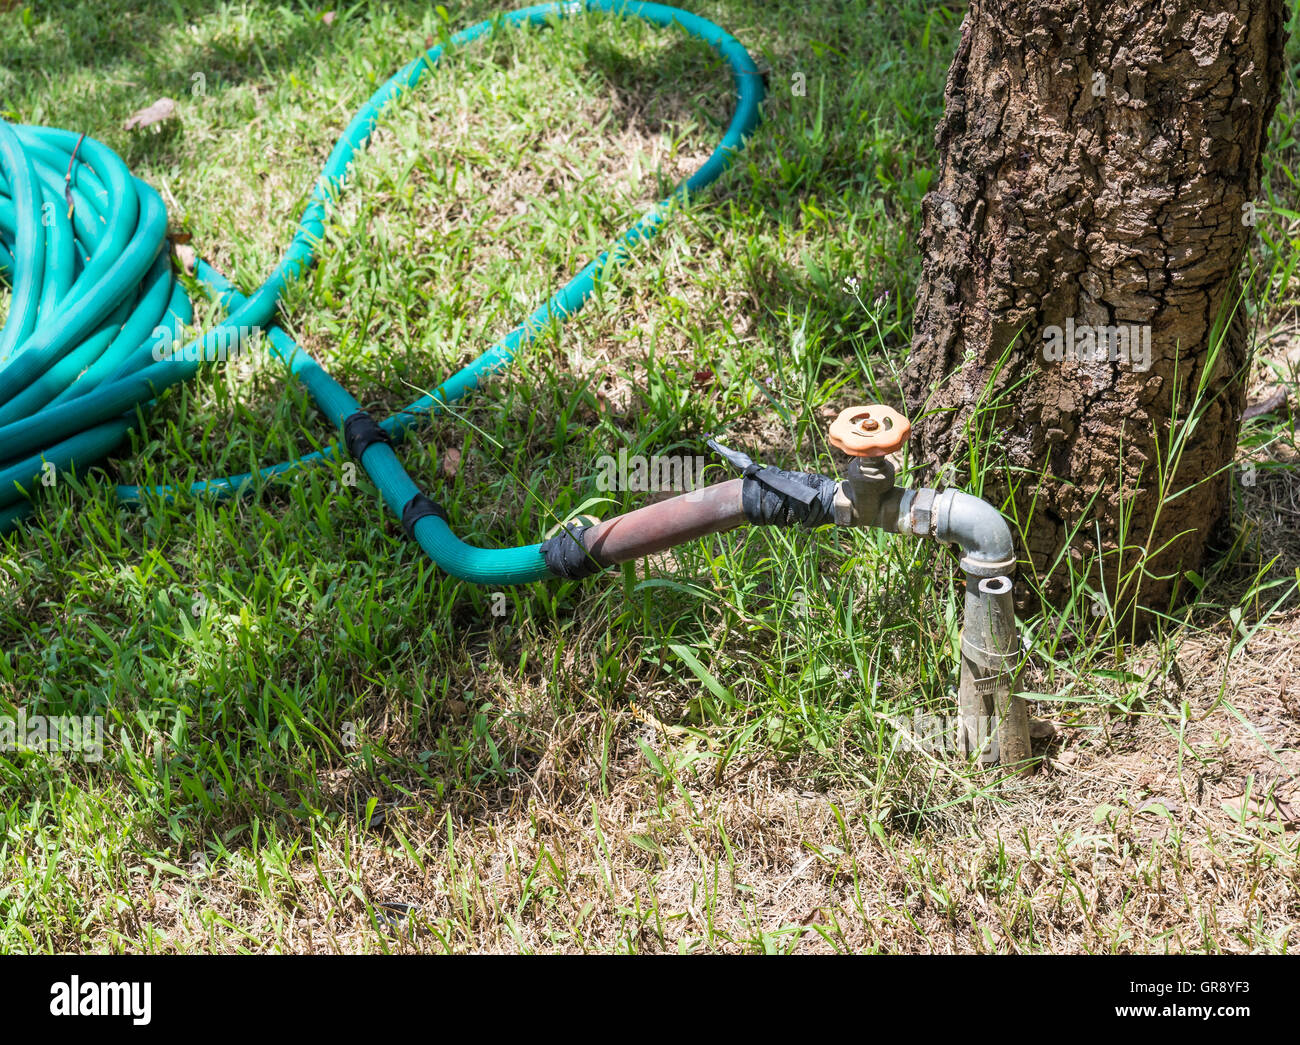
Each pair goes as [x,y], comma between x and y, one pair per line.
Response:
[922,512]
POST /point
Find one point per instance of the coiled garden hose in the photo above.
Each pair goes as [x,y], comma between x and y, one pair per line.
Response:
[96,310]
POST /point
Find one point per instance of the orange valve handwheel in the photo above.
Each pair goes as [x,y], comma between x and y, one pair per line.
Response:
[870,431]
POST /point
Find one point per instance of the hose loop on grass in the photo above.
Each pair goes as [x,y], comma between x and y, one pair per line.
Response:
[96,309]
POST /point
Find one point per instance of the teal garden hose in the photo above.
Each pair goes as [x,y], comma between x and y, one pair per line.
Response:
[96,312]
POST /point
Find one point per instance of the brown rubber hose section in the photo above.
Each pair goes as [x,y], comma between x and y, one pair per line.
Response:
[656,527]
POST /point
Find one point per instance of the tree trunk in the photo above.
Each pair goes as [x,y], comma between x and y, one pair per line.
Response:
[1100,163]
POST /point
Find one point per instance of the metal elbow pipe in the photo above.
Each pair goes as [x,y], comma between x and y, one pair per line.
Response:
[955,517]
[980,530]
[868,497]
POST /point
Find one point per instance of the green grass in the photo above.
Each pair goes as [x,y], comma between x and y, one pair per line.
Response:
[306,722]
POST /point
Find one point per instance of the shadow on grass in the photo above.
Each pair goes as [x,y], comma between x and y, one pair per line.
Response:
[134,54]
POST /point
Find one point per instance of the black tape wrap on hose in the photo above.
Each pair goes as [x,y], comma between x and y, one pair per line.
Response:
[566,554]
[360,432]
[417,508]
[774,497]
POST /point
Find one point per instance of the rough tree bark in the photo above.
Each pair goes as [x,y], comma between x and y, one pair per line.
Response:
[1099,164]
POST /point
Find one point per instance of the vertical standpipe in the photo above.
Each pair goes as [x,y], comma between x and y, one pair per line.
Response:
[993,721]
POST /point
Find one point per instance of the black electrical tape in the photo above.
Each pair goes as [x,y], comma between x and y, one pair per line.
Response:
[360,431]
[567,556]
[774,497]
[417,508]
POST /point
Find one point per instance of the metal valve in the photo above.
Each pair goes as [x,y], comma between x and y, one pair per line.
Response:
[867,434]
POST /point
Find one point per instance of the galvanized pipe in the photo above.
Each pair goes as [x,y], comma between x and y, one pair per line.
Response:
[993,722]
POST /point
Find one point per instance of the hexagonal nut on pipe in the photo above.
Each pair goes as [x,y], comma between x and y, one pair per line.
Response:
[922,512]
